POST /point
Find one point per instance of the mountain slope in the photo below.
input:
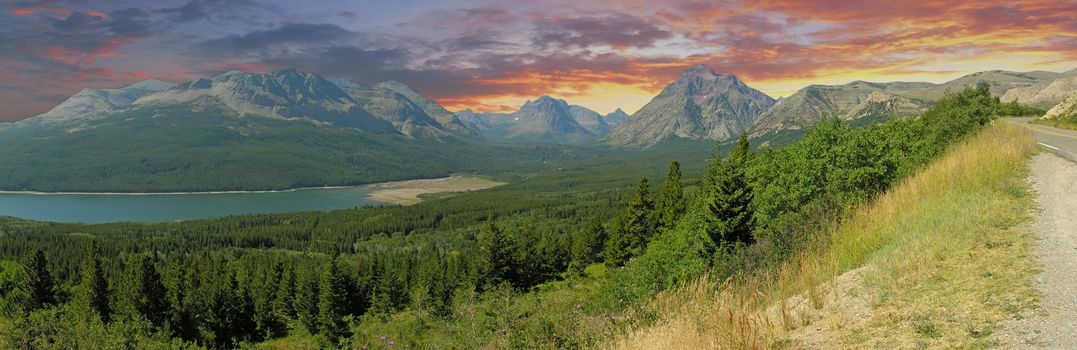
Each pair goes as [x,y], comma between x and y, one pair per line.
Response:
[849,101]
[1001,82]
[389,105]
[1067,109]
[700,104]
[91,102]
[616,117]
[285,94]
[590,120]
[1044,94]
[443,116]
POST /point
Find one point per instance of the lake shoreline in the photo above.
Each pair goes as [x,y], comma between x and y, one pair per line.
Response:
[387,184]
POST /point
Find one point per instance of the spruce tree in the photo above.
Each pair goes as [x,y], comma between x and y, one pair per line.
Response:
[269,320]
[496,259]
[40,286]
[729,197]
[588,245]
[93,289]
[283,304]
[639,225]
[306,302]
[333,302]
[151,297]
[670,204]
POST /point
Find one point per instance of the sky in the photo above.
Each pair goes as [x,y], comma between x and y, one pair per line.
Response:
[495,55]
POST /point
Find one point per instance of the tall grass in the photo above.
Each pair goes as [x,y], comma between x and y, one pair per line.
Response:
[904,237]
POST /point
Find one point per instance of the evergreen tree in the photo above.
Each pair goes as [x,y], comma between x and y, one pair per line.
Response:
[183,321]
[39,283]
[729,197]
[306,302]
[269,319]
[588,245]
[283,304]
[151,297]
[333,302]
[496,261]
[639,225]
[93,289]
[670,204]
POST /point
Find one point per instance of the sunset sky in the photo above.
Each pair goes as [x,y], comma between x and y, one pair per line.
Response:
[494,55]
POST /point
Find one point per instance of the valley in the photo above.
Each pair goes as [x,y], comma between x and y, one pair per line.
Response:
[474,174]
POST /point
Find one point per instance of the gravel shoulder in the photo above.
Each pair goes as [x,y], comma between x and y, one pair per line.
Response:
[1054,181]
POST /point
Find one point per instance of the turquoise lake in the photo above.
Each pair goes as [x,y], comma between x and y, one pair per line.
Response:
[99,208]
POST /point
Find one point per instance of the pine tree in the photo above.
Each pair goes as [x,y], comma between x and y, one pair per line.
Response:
[729,197]
[93,289]
[151,297]
[588,245]
[269,320]
[182,320]
[283,304]
[39,283]
[639,225]
[333,302]
[670,204]
[306,302]
[496,259]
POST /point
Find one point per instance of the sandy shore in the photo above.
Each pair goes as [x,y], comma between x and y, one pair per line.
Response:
[408,192]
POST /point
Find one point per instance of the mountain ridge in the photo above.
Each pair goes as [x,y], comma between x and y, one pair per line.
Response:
[699,104]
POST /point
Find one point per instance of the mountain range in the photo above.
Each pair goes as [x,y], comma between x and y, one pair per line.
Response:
[278,128]
[544,120]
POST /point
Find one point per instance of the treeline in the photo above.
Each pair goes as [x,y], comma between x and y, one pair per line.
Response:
[422,270]
[215,272]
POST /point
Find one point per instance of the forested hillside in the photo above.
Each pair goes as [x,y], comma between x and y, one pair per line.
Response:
[564,260]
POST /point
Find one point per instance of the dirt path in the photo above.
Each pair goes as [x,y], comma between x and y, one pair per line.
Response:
[1055,326]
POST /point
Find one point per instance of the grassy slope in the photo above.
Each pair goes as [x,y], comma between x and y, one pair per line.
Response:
[939,260]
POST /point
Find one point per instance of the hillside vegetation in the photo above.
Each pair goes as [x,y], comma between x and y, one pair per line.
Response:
[575,258]
[937,261]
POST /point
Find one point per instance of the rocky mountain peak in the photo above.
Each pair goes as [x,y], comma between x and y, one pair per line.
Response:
[700,104]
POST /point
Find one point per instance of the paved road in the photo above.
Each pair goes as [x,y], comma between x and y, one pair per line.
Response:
[1058,141]
[1055,183]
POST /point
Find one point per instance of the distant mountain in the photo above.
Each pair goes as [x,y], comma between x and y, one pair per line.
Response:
[284,94]
[1001,82]
[481,121]
[394,107]
[1045,94]
[616,117]
[700,104]
[852,101]
[547,119]
[443,116]
[249,131]
[93,102]
[590,120]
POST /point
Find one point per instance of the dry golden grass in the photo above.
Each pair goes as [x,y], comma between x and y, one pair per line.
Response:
[939,260]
